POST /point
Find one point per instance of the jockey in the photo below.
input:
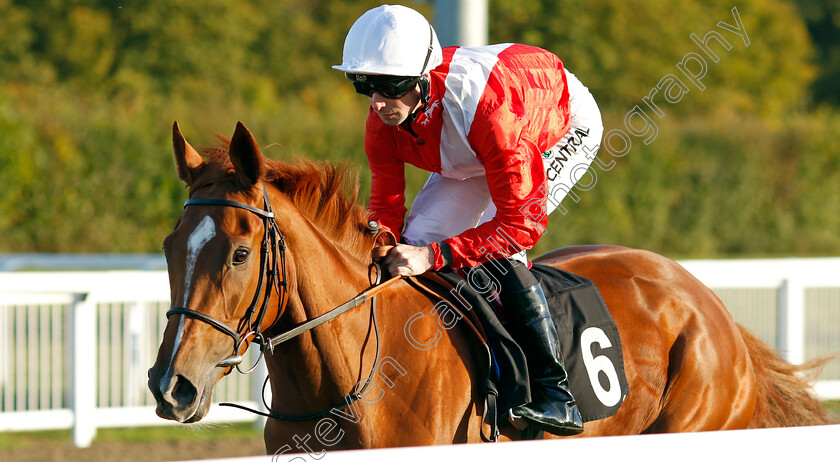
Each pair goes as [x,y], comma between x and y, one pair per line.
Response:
[506,132]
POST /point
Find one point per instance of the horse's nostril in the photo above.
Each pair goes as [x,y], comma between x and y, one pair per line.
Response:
[184,391]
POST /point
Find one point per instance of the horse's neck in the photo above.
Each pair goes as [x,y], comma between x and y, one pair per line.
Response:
[321,366]
[322,363]
[325,275]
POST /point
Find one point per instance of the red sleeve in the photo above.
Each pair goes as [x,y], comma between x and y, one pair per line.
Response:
[387,187]
[516,178]
[507,133]
[500,136]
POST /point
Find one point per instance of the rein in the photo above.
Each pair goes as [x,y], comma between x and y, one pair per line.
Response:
[273,241]
[354,394]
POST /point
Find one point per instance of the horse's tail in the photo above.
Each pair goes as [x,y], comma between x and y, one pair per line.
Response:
[783,398]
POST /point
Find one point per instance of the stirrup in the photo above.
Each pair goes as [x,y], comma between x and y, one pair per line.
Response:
[516,422]
[535,426]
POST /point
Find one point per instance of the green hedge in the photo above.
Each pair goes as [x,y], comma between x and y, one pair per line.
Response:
[723,187]
[89,91]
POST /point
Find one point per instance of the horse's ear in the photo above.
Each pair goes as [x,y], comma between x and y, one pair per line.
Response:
[245,156]
[187,159]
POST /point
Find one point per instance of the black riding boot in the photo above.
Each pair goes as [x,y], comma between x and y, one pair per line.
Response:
[553,408]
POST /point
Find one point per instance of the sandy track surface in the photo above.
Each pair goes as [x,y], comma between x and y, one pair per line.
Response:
[136,451]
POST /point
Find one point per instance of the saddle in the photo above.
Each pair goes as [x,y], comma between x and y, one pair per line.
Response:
[588,335]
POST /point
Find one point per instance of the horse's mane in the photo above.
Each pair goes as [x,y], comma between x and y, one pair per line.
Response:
[325,193]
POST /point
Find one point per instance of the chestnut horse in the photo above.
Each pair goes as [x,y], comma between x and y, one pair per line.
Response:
[263,246]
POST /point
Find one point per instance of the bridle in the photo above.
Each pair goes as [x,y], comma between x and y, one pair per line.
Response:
[272,241]
[273,274]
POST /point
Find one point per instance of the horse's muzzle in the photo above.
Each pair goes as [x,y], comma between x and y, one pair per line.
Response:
[177,397]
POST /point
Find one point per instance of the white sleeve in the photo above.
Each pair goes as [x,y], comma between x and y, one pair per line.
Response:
[584,109]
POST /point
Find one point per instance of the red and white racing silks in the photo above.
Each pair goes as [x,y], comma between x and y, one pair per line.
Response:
[493,112]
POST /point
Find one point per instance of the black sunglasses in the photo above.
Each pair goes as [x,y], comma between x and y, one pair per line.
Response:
[391,87]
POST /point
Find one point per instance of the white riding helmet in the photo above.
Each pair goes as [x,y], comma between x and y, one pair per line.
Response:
[391,40]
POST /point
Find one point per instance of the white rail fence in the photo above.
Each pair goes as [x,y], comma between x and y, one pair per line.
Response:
[75,346]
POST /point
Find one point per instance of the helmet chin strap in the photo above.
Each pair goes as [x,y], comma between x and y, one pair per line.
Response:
[424,80]
[429,51]
[425,96]
[425,85]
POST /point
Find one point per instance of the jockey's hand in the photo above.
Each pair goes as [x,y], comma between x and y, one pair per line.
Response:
[407,260]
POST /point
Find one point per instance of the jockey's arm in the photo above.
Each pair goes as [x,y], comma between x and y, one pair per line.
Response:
[387,189]
[516,179]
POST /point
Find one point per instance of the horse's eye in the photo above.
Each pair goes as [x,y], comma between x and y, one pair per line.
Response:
[240,256]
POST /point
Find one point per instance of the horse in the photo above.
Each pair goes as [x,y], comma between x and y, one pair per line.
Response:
[264,247]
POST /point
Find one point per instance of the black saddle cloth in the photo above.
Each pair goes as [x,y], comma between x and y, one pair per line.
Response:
[588,336]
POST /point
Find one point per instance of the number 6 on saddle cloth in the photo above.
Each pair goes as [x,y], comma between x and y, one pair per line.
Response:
[589,341]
